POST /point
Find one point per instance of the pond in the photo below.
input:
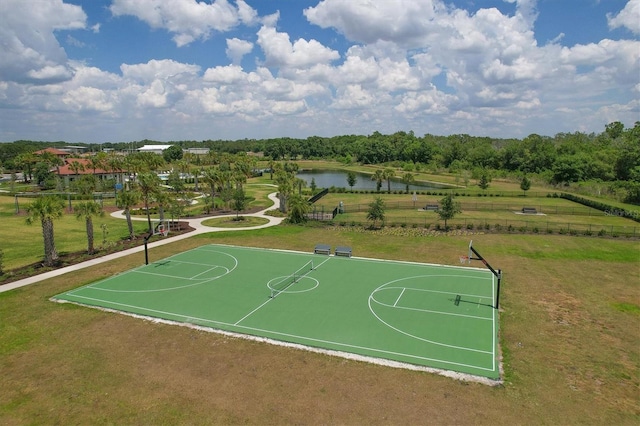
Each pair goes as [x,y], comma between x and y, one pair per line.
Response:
[338,179]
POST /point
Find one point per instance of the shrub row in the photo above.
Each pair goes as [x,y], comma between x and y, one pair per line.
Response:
[610,210]
[488,228]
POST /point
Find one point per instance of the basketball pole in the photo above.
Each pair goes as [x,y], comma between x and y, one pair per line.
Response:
[497,274]
[146,252]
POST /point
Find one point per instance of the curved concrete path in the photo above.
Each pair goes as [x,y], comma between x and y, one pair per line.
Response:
[199,228]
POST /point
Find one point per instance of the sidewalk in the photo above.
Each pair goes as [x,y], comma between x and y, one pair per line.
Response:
[199,228]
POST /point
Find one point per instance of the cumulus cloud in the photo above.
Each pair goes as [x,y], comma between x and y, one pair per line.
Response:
[280,52]
[188,20]
[30,52]
[237,48]
[629,17]
[155,69]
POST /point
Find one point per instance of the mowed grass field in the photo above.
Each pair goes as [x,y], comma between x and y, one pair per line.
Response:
[570,315]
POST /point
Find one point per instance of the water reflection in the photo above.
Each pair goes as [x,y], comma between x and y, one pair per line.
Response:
[338,179]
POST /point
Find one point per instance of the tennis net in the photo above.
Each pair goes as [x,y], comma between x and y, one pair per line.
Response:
[289,280]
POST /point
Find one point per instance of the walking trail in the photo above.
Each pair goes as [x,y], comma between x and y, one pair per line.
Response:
[196,224]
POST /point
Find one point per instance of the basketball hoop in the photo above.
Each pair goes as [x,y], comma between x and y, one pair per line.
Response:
[161,229]
[464,259]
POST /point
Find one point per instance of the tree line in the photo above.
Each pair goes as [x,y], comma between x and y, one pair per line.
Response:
[611,157]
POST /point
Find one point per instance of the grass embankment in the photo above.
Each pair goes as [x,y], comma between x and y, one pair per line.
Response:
[569,334]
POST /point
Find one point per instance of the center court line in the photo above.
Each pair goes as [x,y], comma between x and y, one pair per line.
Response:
[269,300]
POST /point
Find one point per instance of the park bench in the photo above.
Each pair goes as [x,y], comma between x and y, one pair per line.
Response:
[529,210]
[322,249]
[343,251]
[432,207]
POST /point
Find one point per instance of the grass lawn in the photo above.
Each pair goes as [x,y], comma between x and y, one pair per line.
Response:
[231,222]
[22,244]
[569,336]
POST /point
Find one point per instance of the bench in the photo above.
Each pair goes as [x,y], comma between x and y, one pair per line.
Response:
[343,251]
[529,210]
[322,249]
[432,207]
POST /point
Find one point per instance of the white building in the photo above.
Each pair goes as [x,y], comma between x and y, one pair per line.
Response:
[197,151]
[154,149]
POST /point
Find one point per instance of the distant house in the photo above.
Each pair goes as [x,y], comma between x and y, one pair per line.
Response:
[154,149]
[57,152]
[69,174]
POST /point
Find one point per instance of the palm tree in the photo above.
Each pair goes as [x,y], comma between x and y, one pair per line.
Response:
[76,167]
[298,209]
[388,174]
[378,177]
[127,200]
[211,176]
[408,179]
[46,209]
[149,185]
[87,210]
[285,181]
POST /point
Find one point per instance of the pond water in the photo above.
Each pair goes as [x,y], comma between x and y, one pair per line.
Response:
[338,179]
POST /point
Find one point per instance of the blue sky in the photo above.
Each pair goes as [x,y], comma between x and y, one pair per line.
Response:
[123,70]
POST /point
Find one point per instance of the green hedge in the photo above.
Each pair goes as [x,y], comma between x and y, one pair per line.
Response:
[610,210]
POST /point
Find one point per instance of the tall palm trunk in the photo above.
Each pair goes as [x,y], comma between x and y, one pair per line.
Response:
[127,214]
[50,253]
[89,225]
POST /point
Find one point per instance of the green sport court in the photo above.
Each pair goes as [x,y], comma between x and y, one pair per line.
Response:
[404,314]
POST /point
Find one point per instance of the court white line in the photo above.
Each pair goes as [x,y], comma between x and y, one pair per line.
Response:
[204,272]
[170,276]
[430,311]
[398,299]
[249,314]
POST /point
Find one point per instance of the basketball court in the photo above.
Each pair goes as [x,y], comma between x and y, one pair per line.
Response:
[405,314]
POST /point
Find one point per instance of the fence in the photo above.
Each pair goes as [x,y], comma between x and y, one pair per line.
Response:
[485,206]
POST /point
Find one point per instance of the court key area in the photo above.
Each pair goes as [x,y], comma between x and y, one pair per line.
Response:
[407,314]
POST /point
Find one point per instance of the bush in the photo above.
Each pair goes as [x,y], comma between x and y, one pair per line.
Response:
[470,226]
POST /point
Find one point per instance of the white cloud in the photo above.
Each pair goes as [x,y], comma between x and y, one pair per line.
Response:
[237,48]
[155,69]
[88,98]
[629,17]
[29,49]
[188,20]
[280,52]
